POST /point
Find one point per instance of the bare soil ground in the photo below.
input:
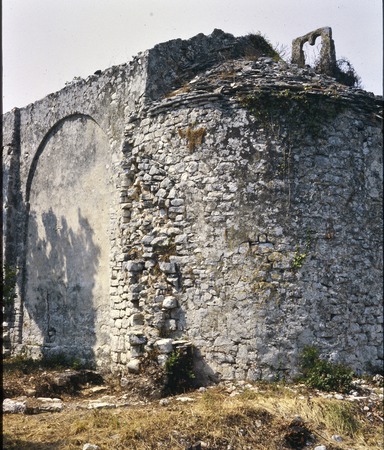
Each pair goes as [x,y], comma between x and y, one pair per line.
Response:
[131,415]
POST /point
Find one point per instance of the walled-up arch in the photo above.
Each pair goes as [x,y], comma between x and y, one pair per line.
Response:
[66,273]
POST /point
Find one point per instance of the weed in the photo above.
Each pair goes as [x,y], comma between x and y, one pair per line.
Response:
[324,375]
[228,72]
[79,426]
[283,50]
[182,90]
[194,136]
[101,419]
[341,417]
[166,251]
[8,284]
[300,255]
[20,363]
[212,398]
[298,259]
[61,360]
[27,365]
[346,74]
[179,370]
[213,417]
[260,46]
[301,111]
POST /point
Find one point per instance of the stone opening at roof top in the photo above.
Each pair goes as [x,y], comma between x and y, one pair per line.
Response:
[327,59]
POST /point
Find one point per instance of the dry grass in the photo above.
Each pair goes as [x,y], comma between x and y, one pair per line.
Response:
[182,90]
[194,136]
[253,420]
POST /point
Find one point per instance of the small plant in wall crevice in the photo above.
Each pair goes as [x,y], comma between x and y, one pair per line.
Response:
[194,136]
[8,285]
[301,255]
[179,371]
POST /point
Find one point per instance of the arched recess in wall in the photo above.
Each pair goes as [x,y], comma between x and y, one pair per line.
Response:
[66,273]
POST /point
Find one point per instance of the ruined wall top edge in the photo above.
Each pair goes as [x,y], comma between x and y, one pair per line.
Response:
[164,66]
[152,74]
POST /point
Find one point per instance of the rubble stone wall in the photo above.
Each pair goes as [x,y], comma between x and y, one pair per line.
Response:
[233,202]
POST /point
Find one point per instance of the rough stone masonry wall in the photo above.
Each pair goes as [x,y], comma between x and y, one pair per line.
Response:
[251,237]
[240,212]
[61,161]
[61,157]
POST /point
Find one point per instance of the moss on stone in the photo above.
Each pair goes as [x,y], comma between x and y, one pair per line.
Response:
[302,112]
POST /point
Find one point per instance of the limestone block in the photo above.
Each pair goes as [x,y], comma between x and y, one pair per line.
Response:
[177,202]
[166,183]
[164,345]
[101,405]
[172,193]
[168,267]
[162,359]
[162,193]
[133,266]
[160,241]
[137,339]
[14,406]
[89,446]
[169,303]
[115,314]
[42,404]
[134,365]
[150,263]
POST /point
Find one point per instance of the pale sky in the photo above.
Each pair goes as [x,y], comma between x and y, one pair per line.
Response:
[49,42]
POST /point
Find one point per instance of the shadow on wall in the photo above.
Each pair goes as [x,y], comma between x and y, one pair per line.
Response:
[65,301]
[204,374]
[61,267]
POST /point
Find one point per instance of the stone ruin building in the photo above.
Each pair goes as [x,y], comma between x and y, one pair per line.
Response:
[207,193]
